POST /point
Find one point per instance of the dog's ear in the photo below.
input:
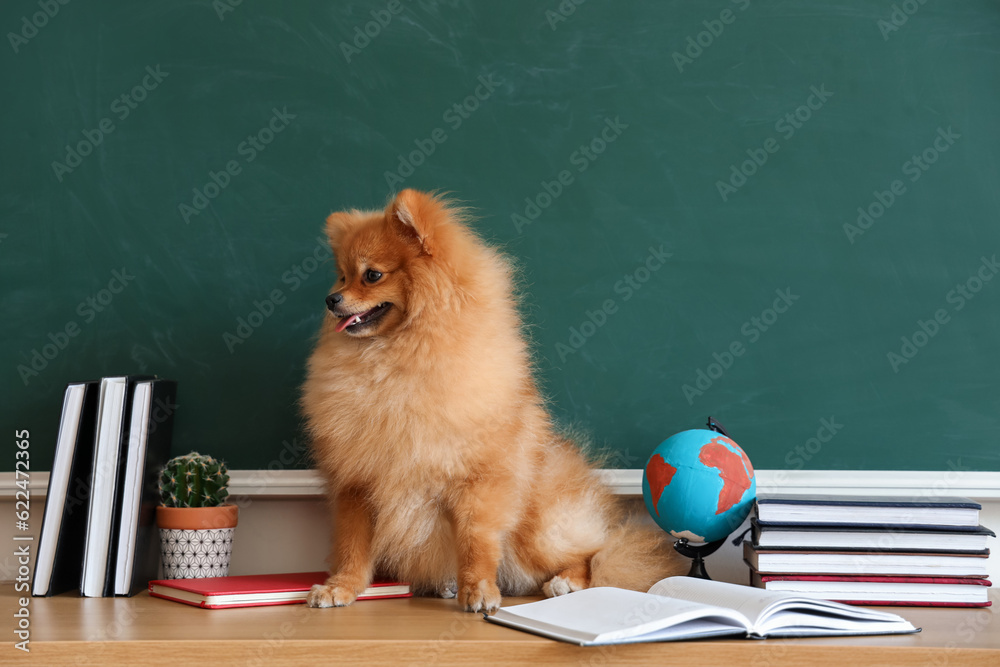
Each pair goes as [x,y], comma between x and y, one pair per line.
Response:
[337,225]
[412,214]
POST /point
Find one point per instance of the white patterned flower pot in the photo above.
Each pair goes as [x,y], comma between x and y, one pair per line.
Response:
[196,542]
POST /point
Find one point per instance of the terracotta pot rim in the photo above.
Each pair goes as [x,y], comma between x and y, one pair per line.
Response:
[197,518]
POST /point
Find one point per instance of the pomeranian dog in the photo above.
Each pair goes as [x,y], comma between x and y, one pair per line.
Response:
[443,467]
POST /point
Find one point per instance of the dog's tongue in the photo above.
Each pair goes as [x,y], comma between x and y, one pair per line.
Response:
[346,322]
[354,319]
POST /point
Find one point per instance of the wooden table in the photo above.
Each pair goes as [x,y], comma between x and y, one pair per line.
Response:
[68,630]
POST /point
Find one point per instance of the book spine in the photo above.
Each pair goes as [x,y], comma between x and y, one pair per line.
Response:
[121,457]
[159,434]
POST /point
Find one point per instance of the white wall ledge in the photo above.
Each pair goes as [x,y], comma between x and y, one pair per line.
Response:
[309,483]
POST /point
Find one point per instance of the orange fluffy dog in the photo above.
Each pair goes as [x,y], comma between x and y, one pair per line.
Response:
[443,467]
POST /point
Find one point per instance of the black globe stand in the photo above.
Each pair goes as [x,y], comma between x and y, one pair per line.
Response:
[697,553]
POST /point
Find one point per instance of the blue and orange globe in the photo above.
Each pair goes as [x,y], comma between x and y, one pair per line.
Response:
[699,484]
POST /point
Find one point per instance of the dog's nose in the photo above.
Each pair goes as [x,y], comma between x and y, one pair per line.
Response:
[333,300]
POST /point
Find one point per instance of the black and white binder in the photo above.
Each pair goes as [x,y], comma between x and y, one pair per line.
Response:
[59,563]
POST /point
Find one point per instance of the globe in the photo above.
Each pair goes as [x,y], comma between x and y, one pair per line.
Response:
[699,484]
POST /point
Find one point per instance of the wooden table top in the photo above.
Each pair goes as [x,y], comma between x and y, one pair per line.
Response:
[69,630]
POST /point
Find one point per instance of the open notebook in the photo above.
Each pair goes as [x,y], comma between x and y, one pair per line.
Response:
[684,608]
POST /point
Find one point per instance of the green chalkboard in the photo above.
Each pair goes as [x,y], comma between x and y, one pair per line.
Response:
[784,215]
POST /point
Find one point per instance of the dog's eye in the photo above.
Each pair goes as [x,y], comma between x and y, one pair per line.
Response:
[372,276]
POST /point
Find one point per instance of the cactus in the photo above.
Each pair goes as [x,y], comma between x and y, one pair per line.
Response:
[193,480]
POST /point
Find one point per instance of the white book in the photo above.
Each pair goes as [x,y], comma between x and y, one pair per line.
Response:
[135,463]
[832,539]
[679,608]
[847,510]
[59,486]
[937,590]
[866,563]
[110,411]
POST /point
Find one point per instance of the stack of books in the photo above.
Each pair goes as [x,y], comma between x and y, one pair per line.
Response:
[871,550]
[98,530]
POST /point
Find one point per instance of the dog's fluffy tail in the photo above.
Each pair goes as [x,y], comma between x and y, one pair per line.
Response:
[635,556]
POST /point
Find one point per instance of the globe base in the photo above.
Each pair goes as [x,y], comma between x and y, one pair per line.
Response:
[698,554]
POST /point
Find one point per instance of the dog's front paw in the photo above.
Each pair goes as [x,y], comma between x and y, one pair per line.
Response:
[481,596]
[330,595]
[559,585]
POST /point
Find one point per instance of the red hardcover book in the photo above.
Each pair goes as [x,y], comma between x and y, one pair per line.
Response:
[257,590]
[888,591]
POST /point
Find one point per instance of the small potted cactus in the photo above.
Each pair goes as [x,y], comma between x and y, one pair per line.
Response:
[196,526]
